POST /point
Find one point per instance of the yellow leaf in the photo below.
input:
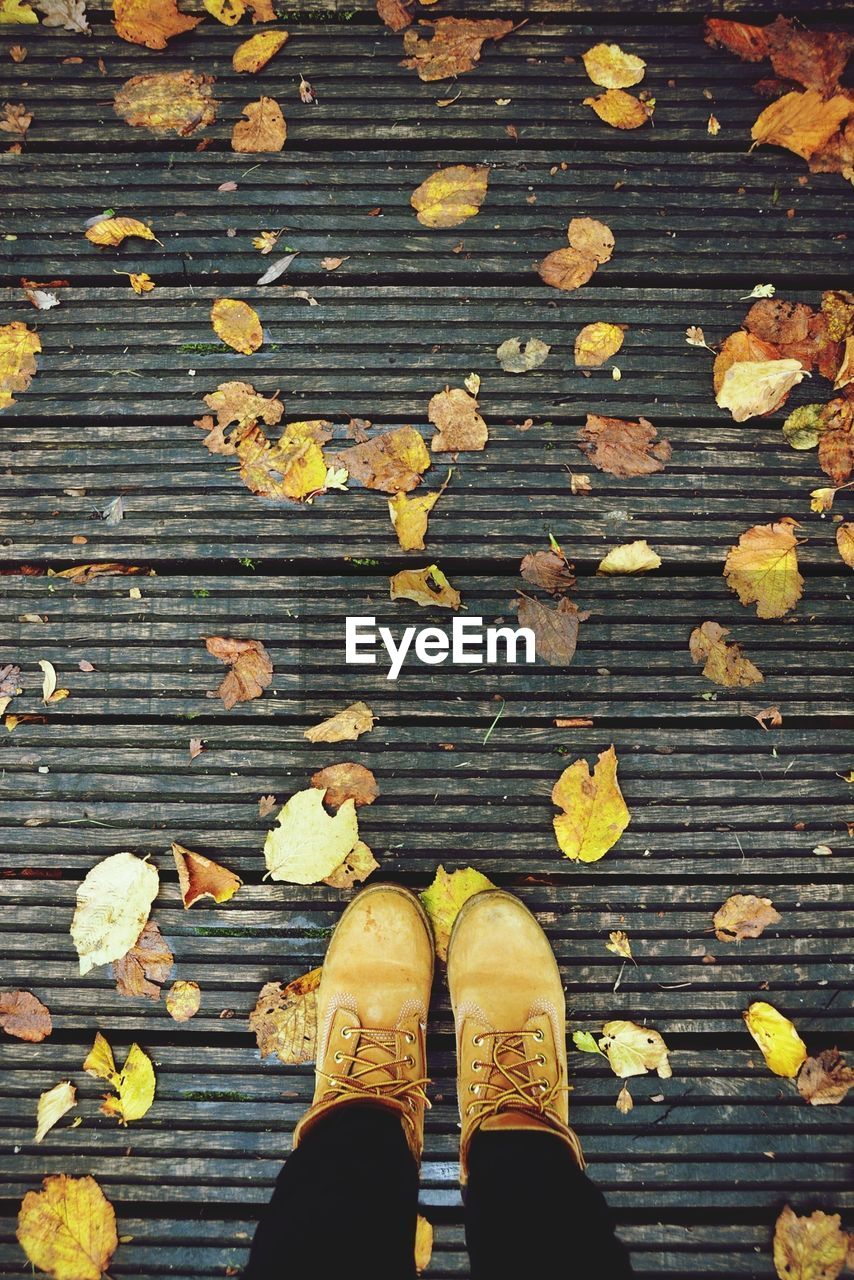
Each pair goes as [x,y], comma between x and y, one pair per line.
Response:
[167,102]
[753,387]
[444,898]
[744,916]
[618,943]
[355,868]
[409,516]
[110,232]
[134,1084]
[263,130]
[113,903]
[183,1000]
[763,568]
[423,1227]
[597,342]
[18,349]
[16,11]
[200,877]
[630,557]
[621,110]
[141,281]
[284,1019]
[845,542]
[308,843]
[450,196]
[53,1104]
[427,586]
[257,51]
[237,324]
[228,12]
[802,122]
[809,1248]
[150,22]
[633,1050]
[821,500]
[393,461]
[608,65]
[595,813]
[345,726]
[782,1048]
[724,663]
[68,1229]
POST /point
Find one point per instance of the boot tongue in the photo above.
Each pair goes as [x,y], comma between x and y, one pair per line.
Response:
[379,1048]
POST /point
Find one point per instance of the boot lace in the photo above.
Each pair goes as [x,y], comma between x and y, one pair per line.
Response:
[510,1081]
[386,1066]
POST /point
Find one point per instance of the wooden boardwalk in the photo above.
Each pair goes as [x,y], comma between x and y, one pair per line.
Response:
[718,804]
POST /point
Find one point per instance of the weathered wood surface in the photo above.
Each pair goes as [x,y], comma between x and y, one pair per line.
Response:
[718,804]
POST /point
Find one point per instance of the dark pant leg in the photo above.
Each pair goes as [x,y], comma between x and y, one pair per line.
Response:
[531,1211]
[345,1203]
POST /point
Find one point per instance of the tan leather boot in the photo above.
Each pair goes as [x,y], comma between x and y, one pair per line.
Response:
[372,1011]
[509,1012]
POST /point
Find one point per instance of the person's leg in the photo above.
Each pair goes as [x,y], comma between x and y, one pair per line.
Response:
[347,1196]
[530,1210]
[346,1201]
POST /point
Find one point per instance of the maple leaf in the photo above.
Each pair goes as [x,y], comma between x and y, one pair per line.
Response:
[725,664]
[633,1050]
[23,1016]
[427,586]
[595,813]
[450,196]
[621,110]
[165,102]
[345,726]
[134,1085]
[183,1000]
[392,461]
[148,964]
[346,781]
[200,877]
[113,902]
[630,557]
[744,916]
[237,324]
[18,349]
[308,843]
[459,426]
[825,1080]
[782,1048]
[622,447]
[256,52]
[555,628]
[356,867]
[150,22]
[68,1229]
[809,1248]
[263,130]
[609,66]
[514,358]
[284,1020]
[52,1106]
[251,669]
[454,47]
[763,568]
[16,120]
[444,898]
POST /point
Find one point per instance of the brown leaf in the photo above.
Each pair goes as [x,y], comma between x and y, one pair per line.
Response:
[566,269]
[768,717]
[251,669]
[81,574]
[150,22]
[196,747]
[356,867]
[802,122]
[200,877]
[284,1019]
[23,1016]
[459,425]
[815,59]
[836,454]
[15,119]
[623,448]
[812,1248]
[825,1080]
[454,47]
[332,264]
[548,570]
[165,102]
[263,130]
[450,196]
[750,43]
[146,966]
[347,781]
[393,461]
[724,663]
[266,805]
[427,587]
[347,725]
[744,916]
[555,628]
[396,14]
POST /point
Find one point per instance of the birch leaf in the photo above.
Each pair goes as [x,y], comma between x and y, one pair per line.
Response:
[237,324]
[444,898]
[782,1048]
[284,1020]
[113,903]
[450,196]
[68,1229]
[514,358]
[763,568]
[53,1104]
[308,843]
[595,813]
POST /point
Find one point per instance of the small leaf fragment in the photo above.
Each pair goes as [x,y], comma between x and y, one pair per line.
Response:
[344,726]
[630,557]
[52,1106]
[200,877]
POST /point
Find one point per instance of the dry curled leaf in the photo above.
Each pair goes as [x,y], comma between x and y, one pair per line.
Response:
[427,586]
[514,358]
[594,811]
[744,916]
[623,448]
[251,669]
[356,867]
[450,196]
[52,1106]
[825,1080]
[113,902]
[597,342]
[346,781]
[763,568]
[345,726]
[200,877]
[630,557]
[134,1084]
[633,1050]
[167,102]
[308,843]
[19,347]
[68,14]
[68,1229]
[454,46]
[625,1102]
[237,324]
[284,1020]
[459,426]
[23,1016]
[750,388]
[555,628]
[809,1248]
[621,110]
[444,898]
[266,805]
[549,570]
[150,22]
[256,52]
[725,663]
[147,965]
[110,232]
[263,130]
[396,14]
[392,461]
[782,1048]
[183,1000]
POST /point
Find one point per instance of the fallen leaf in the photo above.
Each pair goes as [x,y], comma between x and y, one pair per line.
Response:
[146,966]
[597,342]
[237,324]
[753,387]
[18,52]
[618,943]
[110,232]
[16,120]
[802,122]
[256,52]
[809,1248]
[845,542]
[331,264]
[747,42]
[763,568]
[555,628]
[263,130]
[276,269]
[239,404]
[346,781]
[284,1020]
[423,1244]
[196,747]
[713,126]
[444,898]
[307,92]
[608,65]
[23,1016]
[454,47]
[392,461]
[585,1042]
[427,586]
[514,358]
[49,681]
[768,717]
[150,22]
[566,269]
[228,12]
[68,1229]
[356,867]
[165,102]
[579,483]
[41,299]
[251,669]
[725,664]
[595,813]
[68,14]
[345,726]
[623,448]
[200,877]
[113,902]
[825,1080]
[396,14]
[549,570]
[624,1101]
[782,1048]
[409,517]
[134,1084]
[633,1050]
[450,196]
[630,557]
[53,1104]
[308,843]
[744,916]
[266,805]
[620,109]
[459,426]
[19,347]
[183,1000]
[16,11]
[81,574]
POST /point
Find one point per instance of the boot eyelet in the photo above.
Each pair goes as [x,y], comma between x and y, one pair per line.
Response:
[337,1056]
[476,1066]
[409,1037]
[469,1109]
[477,1041]
[473,1088]
[539,1036]
[409,1061]
[540,1060]
[346,1032]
